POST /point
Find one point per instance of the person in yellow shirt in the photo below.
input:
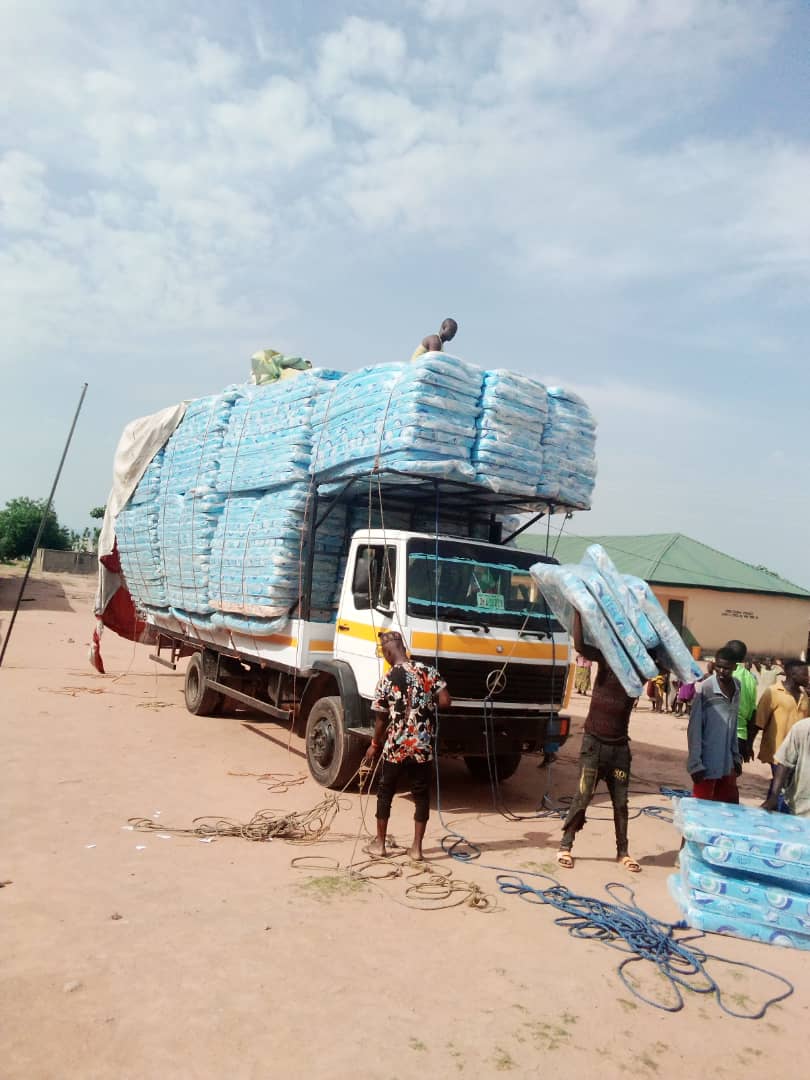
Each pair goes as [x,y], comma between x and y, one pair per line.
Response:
[780,707]
[435,342]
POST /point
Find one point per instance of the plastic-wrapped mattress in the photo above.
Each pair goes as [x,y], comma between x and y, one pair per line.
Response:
[744,871]
[565,591]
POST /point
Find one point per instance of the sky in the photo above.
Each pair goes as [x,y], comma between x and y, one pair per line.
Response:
[610,195]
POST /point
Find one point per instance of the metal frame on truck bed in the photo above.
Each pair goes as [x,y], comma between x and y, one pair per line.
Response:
[443,577]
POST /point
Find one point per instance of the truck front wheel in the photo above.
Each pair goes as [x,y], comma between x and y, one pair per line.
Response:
[333,754]
[200,699]
[503,766]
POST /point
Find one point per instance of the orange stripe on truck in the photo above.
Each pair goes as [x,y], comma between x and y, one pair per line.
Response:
[505,650]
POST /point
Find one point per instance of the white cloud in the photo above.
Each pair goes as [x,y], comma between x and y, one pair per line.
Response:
[361,49]
[139,160]
[22,192]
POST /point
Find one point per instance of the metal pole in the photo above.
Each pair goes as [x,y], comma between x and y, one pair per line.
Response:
[41,528]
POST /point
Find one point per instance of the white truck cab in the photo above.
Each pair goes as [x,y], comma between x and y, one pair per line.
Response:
[465,606]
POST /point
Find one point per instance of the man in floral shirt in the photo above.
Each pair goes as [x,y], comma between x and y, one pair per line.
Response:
[404,709]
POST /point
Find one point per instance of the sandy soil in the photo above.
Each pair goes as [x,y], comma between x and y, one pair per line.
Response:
[126,955]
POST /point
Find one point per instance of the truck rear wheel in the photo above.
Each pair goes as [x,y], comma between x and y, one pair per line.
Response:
[503,766]
[333,754]
[200,699]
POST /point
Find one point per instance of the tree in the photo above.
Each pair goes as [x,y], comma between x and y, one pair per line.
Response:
[98,512]
[19,522]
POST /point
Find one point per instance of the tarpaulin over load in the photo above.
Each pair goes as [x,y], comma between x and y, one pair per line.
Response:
[140,443]
[210,532]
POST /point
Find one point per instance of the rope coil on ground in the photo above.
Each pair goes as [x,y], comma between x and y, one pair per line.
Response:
[627,927]
[297,827]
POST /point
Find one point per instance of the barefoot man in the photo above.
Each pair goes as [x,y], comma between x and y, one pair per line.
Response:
[605,755]
[404,709]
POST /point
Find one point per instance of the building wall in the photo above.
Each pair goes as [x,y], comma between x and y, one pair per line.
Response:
[769,625]
[66,562]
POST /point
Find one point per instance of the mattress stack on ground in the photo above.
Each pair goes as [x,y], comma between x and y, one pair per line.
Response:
[620,617]
[507,454]
[744,872]
[569,450]
[417,418]
[136,530]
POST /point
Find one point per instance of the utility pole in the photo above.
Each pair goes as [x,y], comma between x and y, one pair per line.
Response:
[41,528]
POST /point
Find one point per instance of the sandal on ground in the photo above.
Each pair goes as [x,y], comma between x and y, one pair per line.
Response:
[629,863]
[565,859]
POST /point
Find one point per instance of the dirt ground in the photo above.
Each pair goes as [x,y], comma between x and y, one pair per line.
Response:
[138,955]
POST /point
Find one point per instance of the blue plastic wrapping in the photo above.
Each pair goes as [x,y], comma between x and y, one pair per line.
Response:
[674,654]
[213,530]
[744,871]
[596,556]
[565,591]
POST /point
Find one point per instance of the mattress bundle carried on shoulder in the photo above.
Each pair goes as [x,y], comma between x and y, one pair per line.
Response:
[744,872]
[620,617]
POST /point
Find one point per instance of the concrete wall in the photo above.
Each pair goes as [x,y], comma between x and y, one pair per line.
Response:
[66,562]
[769,625]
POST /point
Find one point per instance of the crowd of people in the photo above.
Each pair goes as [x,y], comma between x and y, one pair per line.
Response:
[736,702]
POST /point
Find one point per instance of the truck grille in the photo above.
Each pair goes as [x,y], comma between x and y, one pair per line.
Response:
[526,684]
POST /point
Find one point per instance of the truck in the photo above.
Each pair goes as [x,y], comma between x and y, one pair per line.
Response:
[435,560]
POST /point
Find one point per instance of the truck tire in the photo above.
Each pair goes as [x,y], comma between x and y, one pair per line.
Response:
[200,699]
[504,766]
[333,754]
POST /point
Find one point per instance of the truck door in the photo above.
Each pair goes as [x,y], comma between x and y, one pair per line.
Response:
[366,608]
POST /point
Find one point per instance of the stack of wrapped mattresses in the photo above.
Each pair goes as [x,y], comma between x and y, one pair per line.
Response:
[213,532]
[744,872]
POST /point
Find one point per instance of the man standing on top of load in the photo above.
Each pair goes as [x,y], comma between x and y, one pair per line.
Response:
[404,709]
[435,342]
[605,755]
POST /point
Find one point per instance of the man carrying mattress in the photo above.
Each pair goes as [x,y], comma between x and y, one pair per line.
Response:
[605,755]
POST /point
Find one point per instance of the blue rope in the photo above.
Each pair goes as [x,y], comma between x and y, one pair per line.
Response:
[625,926]
[622,925]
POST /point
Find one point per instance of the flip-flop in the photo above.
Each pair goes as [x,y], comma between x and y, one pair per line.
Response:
[565,859]
[630,864]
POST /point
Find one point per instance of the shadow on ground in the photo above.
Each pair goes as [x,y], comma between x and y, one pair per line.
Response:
[40,593]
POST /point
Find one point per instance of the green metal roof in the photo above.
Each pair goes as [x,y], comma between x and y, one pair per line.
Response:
[671,559]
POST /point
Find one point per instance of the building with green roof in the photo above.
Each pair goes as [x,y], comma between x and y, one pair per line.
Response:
[709,595]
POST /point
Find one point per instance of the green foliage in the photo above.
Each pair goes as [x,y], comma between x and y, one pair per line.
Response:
[19,522]
[98,512]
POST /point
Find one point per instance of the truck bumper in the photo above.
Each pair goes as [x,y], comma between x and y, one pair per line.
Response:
[479,733]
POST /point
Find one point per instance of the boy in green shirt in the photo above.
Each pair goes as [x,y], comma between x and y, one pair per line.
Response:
[748,698]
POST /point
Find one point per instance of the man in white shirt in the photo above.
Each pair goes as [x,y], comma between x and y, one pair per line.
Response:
[792,771]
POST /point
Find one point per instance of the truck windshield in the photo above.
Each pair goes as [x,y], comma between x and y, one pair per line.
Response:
[477,584]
